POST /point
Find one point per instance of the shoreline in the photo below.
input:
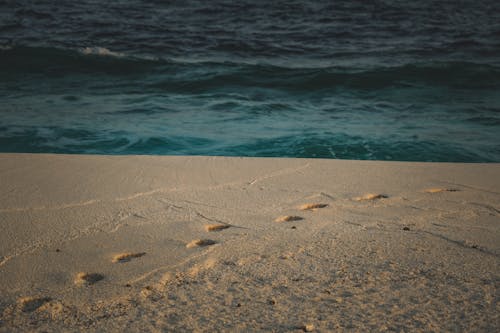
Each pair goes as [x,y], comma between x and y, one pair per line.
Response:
[201,243]
[240,157]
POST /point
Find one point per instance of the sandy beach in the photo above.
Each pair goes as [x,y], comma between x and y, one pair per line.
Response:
[219,244]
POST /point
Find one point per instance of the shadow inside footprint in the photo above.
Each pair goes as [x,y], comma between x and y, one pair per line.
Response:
[83,278]
[371,196]
[312,206]
[200,242]
[288,218]
[125,257]
[216,227]
[30,304]
[439,190]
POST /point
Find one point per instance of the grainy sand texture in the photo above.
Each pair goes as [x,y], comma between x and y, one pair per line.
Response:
[143,244]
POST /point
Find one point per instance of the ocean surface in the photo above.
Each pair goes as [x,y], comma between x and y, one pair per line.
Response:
[384,80]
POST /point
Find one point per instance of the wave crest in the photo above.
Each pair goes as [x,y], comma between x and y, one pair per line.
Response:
[187,76]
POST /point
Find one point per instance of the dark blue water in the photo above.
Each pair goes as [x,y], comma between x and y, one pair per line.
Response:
[385,80]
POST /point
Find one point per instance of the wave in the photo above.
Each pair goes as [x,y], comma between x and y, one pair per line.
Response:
[179,75]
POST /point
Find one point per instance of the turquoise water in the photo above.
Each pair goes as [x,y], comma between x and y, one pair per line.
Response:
[386,82]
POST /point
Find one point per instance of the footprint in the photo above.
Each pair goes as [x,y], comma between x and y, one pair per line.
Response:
[312,206]
[198,268]
[125,257]
[216,227]
[200,242]
[471,244]
[371,196]
[438,190]
[83,278]
[307,328]
[30,304]
[288,218]
[151,293]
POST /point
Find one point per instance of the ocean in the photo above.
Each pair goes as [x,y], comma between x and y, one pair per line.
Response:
[378,80]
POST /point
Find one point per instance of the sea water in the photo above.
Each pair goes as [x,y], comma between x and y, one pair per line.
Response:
[385,80]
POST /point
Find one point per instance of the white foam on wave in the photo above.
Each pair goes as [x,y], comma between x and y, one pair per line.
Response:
[5,47]
[100,51]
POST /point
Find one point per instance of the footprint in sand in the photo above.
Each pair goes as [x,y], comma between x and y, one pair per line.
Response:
[307,328]
[200,243]
[30,304]
[216,227]
[312,206]
[125,257]
[439,190]
[371,196]
[83,278]
[288,218]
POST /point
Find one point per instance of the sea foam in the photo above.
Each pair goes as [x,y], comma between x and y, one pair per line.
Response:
[100,51]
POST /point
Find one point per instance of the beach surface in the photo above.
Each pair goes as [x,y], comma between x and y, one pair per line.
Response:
[206,244]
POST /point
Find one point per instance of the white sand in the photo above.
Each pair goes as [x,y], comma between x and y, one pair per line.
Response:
[403,259]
